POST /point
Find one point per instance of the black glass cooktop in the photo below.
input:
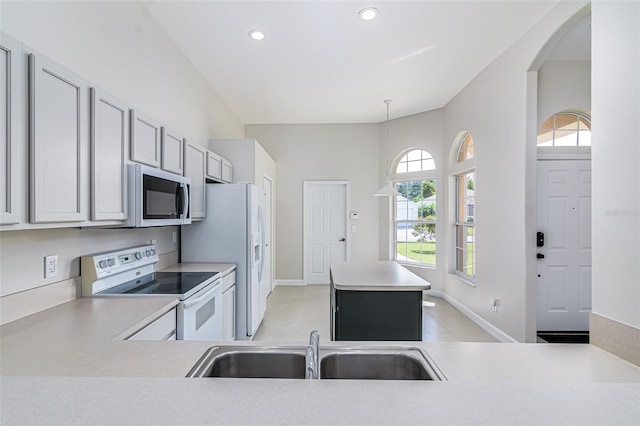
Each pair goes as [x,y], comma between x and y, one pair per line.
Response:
[182,284]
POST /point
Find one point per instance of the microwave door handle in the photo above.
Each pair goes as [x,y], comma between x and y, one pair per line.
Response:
[181,201]
[185,201]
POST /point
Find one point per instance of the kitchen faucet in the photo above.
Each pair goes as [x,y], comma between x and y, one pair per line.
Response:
[312,356]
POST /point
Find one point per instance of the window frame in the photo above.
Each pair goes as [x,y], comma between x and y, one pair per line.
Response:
[458,169]
[396,178]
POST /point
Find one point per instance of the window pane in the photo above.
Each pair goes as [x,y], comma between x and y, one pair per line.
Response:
[584,138]
[415,161]
[414,223]
[466,148]
[428,164]
[465,196]
[566,138]
[416,243]
[414,155]
[414,166]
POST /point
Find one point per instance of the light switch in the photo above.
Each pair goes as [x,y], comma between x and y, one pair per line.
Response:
[353,228]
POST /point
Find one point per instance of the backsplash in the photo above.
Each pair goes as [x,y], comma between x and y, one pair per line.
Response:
[23,288]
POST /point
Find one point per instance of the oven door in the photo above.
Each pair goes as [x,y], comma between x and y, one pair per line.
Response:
[200,316]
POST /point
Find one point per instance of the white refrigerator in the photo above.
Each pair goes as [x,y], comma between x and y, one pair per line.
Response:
[233,232]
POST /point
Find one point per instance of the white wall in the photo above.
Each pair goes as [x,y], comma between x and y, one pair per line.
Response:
[321,152]
[563,85]
[616,161]
[118,47]
[493,107]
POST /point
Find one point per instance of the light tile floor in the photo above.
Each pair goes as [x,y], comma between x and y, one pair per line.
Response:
[292,312]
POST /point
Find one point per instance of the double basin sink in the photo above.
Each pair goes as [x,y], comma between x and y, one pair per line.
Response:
[280,362]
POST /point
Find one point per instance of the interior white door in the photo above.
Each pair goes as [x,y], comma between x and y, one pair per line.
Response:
[267,205]
[325,223]
[564,271]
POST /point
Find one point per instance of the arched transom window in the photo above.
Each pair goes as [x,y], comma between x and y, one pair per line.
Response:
[565,129]
[415,209]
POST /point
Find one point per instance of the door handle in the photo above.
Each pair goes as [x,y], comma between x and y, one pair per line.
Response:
[342,239]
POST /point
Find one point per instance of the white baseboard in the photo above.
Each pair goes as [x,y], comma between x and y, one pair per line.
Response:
[483,323]
[289,283]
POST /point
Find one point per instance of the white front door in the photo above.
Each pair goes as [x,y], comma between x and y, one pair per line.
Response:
[564,259]
[325,228]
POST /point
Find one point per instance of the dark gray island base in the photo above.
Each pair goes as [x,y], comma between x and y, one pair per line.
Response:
[375,301]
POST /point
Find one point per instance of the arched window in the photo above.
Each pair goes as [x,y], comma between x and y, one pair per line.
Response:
[415,209]
[465,208]
[567,128]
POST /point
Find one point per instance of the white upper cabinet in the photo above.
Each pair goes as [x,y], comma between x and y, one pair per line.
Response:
[145,139]
[195,160]
[172,150]
[214,166]
[59,145]
[12,79]
[227,171]
[109,148]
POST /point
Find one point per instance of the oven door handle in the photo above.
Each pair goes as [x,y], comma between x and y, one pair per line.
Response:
[208,295]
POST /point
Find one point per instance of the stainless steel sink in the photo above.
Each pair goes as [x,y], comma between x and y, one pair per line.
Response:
[378,364]
[279,362]
[251,362]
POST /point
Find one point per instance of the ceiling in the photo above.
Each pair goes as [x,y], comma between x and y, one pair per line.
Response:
[321,63]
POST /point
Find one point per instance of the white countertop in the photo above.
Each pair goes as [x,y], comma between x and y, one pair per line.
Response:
[375,276]
[62,366]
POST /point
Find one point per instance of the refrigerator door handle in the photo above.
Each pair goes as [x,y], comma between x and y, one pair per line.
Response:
[261,224]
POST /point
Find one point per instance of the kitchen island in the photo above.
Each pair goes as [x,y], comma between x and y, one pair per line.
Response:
[375,300]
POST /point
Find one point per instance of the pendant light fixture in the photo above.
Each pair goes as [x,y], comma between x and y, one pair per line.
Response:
[388,190]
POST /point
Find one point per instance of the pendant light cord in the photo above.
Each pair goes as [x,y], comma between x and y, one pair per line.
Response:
[387,101]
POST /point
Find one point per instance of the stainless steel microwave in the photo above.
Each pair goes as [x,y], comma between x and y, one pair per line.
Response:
[157,198]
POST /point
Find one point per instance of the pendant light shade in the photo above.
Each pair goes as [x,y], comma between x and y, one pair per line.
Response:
[388,190]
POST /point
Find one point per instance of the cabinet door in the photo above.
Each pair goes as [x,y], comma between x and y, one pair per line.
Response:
[109,147]
[229,314]
[195,159]
[214,166]
[145,139]
[227,171]
[59,142]
[164,328]
[11,94]
[172,150]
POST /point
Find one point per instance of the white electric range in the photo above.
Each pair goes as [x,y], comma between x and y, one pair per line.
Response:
[131,273]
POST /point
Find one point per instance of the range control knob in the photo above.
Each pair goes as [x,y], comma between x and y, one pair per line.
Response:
[138,255]
[153,251]
[102,264]
[111,262]
[147,253]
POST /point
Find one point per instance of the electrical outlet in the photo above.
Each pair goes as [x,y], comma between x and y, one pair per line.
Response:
[51,266]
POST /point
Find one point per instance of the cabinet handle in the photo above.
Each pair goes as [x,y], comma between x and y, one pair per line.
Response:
[342,239]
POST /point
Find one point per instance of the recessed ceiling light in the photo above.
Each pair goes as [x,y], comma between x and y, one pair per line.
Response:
[368,13]
[256,35]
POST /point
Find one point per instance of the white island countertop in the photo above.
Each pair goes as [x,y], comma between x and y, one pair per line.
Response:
[375,276]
